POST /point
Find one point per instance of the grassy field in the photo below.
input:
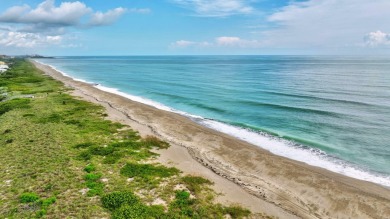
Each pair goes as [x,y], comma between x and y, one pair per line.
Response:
[60,158]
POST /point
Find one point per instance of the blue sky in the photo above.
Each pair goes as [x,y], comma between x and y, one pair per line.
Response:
[192,27]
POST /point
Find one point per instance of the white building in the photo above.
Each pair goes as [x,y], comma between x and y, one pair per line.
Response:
[3,68]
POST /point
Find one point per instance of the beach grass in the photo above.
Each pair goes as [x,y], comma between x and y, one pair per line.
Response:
[60,158]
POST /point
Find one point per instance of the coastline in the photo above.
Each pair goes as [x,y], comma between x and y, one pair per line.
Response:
[350,162]
[283,187]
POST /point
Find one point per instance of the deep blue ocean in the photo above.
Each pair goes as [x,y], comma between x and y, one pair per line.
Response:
[327,111]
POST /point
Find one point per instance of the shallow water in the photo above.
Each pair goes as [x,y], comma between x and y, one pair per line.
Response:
[332,112]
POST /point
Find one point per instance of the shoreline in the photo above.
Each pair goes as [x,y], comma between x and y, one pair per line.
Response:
[265,140]
[283,187]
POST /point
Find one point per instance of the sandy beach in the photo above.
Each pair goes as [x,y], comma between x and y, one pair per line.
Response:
[242,173]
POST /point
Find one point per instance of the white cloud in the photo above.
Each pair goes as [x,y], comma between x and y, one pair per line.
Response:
[12,14]
[17,39]
[223,41]
[41,26]
[327,23]
[238,42]
[100,19]
[228,41]
[217,8]
[377,38]
[54,39]
[183,43]
[186,43]
[27,40]
[68,13]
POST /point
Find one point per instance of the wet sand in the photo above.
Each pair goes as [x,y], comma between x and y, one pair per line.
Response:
[243,173]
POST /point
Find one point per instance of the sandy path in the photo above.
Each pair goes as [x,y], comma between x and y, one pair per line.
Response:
[244,173]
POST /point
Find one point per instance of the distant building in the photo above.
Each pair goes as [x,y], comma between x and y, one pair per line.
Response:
[3,67]
[4,57]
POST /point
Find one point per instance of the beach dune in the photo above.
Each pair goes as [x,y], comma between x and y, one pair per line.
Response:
[243,173]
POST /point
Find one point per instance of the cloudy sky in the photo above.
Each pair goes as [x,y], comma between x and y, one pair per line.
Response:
[175,27]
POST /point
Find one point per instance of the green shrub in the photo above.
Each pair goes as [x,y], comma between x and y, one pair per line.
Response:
[52,118]
[89,168]
[28,79]
[97,190]
[147,170]
[135,211]
[115,200]
[138,210]
[195,183]
[156,211]
[95,187]
[112,154]
[92,177]
[80,109]
[37,90]
[102,151]
[41,213]
[74,122]
[28,197]
[48,187]
[113,158]
[127,144]
[100,126]
[84,145]
[182,197]
[152,141]
[49,201]
[236,211]
[85,155]
[14,104]
[182,205]
[132,135]
[142,154]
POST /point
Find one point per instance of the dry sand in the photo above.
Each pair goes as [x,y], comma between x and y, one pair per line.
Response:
[243,173]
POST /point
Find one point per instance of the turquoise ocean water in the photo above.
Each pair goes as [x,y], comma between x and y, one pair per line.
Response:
[332,112]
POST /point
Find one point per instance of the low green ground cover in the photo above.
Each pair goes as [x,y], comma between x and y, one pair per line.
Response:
[60,158]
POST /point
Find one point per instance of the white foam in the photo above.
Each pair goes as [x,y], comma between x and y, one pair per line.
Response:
[275,145]
[134,98]
[63,73]
[145,101]
[288,149]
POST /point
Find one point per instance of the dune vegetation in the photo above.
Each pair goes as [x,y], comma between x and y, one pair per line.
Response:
[60,158]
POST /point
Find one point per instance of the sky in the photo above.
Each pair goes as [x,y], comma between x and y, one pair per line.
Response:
[195,27]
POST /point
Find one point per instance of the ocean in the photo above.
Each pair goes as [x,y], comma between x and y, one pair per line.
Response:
[327,111]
